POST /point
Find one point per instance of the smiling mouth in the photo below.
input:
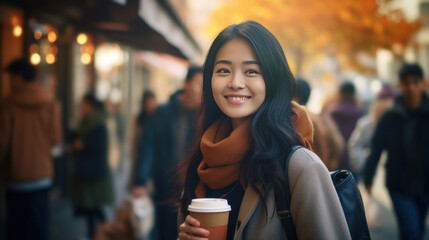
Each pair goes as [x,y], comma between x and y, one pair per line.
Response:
[237,99]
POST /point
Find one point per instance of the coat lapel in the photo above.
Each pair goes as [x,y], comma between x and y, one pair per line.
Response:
[249,203]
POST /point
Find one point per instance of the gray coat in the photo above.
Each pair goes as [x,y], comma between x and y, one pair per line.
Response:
[315,207]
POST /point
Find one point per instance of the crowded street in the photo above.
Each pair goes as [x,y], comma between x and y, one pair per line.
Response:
[214,120]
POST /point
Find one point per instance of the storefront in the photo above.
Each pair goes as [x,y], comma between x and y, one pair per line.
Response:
[80,46]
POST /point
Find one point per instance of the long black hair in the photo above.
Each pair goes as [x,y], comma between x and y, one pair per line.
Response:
[272,130]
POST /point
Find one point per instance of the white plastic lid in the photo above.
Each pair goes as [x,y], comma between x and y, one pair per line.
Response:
[209,205]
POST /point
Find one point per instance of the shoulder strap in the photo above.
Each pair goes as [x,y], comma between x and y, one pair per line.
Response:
[283,205]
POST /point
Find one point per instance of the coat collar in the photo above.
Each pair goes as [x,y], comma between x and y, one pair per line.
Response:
[400,109]
[249,203]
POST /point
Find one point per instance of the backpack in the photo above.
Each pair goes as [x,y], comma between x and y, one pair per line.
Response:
[350,198]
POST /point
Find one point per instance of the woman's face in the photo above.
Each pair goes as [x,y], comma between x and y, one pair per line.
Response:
[237,83]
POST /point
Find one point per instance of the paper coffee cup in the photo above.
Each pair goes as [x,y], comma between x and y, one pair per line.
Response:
[212,213]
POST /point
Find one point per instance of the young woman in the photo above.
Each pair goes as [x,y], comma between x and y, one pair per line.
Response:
[249,124]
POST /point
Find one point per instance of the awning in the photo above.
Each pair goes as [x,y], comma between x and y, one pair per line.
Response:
[142,24]
[160,16]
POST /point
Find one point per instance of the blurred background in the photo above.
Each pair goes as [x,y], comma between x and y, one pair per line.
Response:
[120,48]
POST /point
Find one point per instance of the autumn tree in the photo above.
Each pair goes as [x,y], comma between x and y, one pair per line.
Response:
[308,27]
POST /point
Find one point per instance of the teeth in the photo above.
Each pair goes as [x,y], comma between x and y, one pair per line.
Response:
[238,98]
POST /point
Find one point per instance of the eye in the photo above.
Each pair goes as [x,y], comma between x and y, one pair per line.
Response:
[223,71]
[251,72]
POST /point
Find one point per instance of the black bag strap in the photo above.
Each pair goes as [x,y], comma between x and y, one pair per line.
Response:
[283,205]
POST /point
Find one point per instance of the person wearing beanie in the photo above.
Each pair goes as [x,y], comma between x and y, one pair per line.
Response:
[163,145]
[403,133]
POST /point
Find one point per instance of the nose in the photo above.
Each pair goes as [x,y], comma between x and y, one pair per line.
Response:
[237,81]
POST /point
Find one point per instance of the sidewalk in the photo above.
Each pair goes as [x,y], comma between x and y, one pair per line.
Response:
[65,226]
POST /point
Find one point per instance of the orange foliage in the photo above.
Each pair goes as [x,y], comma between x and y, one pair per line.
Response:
[311,26]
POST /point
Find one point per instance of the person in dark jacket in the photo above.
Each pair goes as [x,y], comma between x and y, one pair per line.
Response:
[92,182]
[148,106]
[164,144]
[403,132]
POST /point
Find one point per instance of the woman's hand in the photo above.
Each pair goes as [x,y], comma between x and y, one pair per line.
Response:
[139,192]
[191,229]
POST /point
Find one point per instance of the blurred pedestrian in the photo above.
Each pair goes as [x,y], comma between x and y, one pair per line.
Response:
[30,125]
[328,143]
[92,181]
[148,106]
[403,132]
[249,125]
[164,144]
[360,140]
[345,113]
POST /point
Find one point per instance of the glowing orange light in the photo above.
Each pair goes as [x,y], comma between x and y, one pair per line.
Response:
[82,38]
[38,34]
[52,36]
[17,31]
[85,59]
[14,20]
[35,58]
[90,49]
[50,58]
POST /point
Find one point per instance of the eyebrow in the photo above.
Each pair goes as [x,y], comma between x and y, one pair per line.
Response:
[230,63]
[251,62]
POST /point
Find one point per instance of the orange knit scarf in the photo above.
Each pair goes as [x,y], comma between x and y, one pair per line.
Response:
[223,149]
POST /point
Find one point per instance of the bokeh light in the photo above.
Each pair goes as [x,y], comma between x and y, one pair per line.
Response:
[50,58]
[52,36]
[82,38]
[85,58]
[89,48]
[38,34]
[17,31]
[35,58]
[14,20]
[108,56]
